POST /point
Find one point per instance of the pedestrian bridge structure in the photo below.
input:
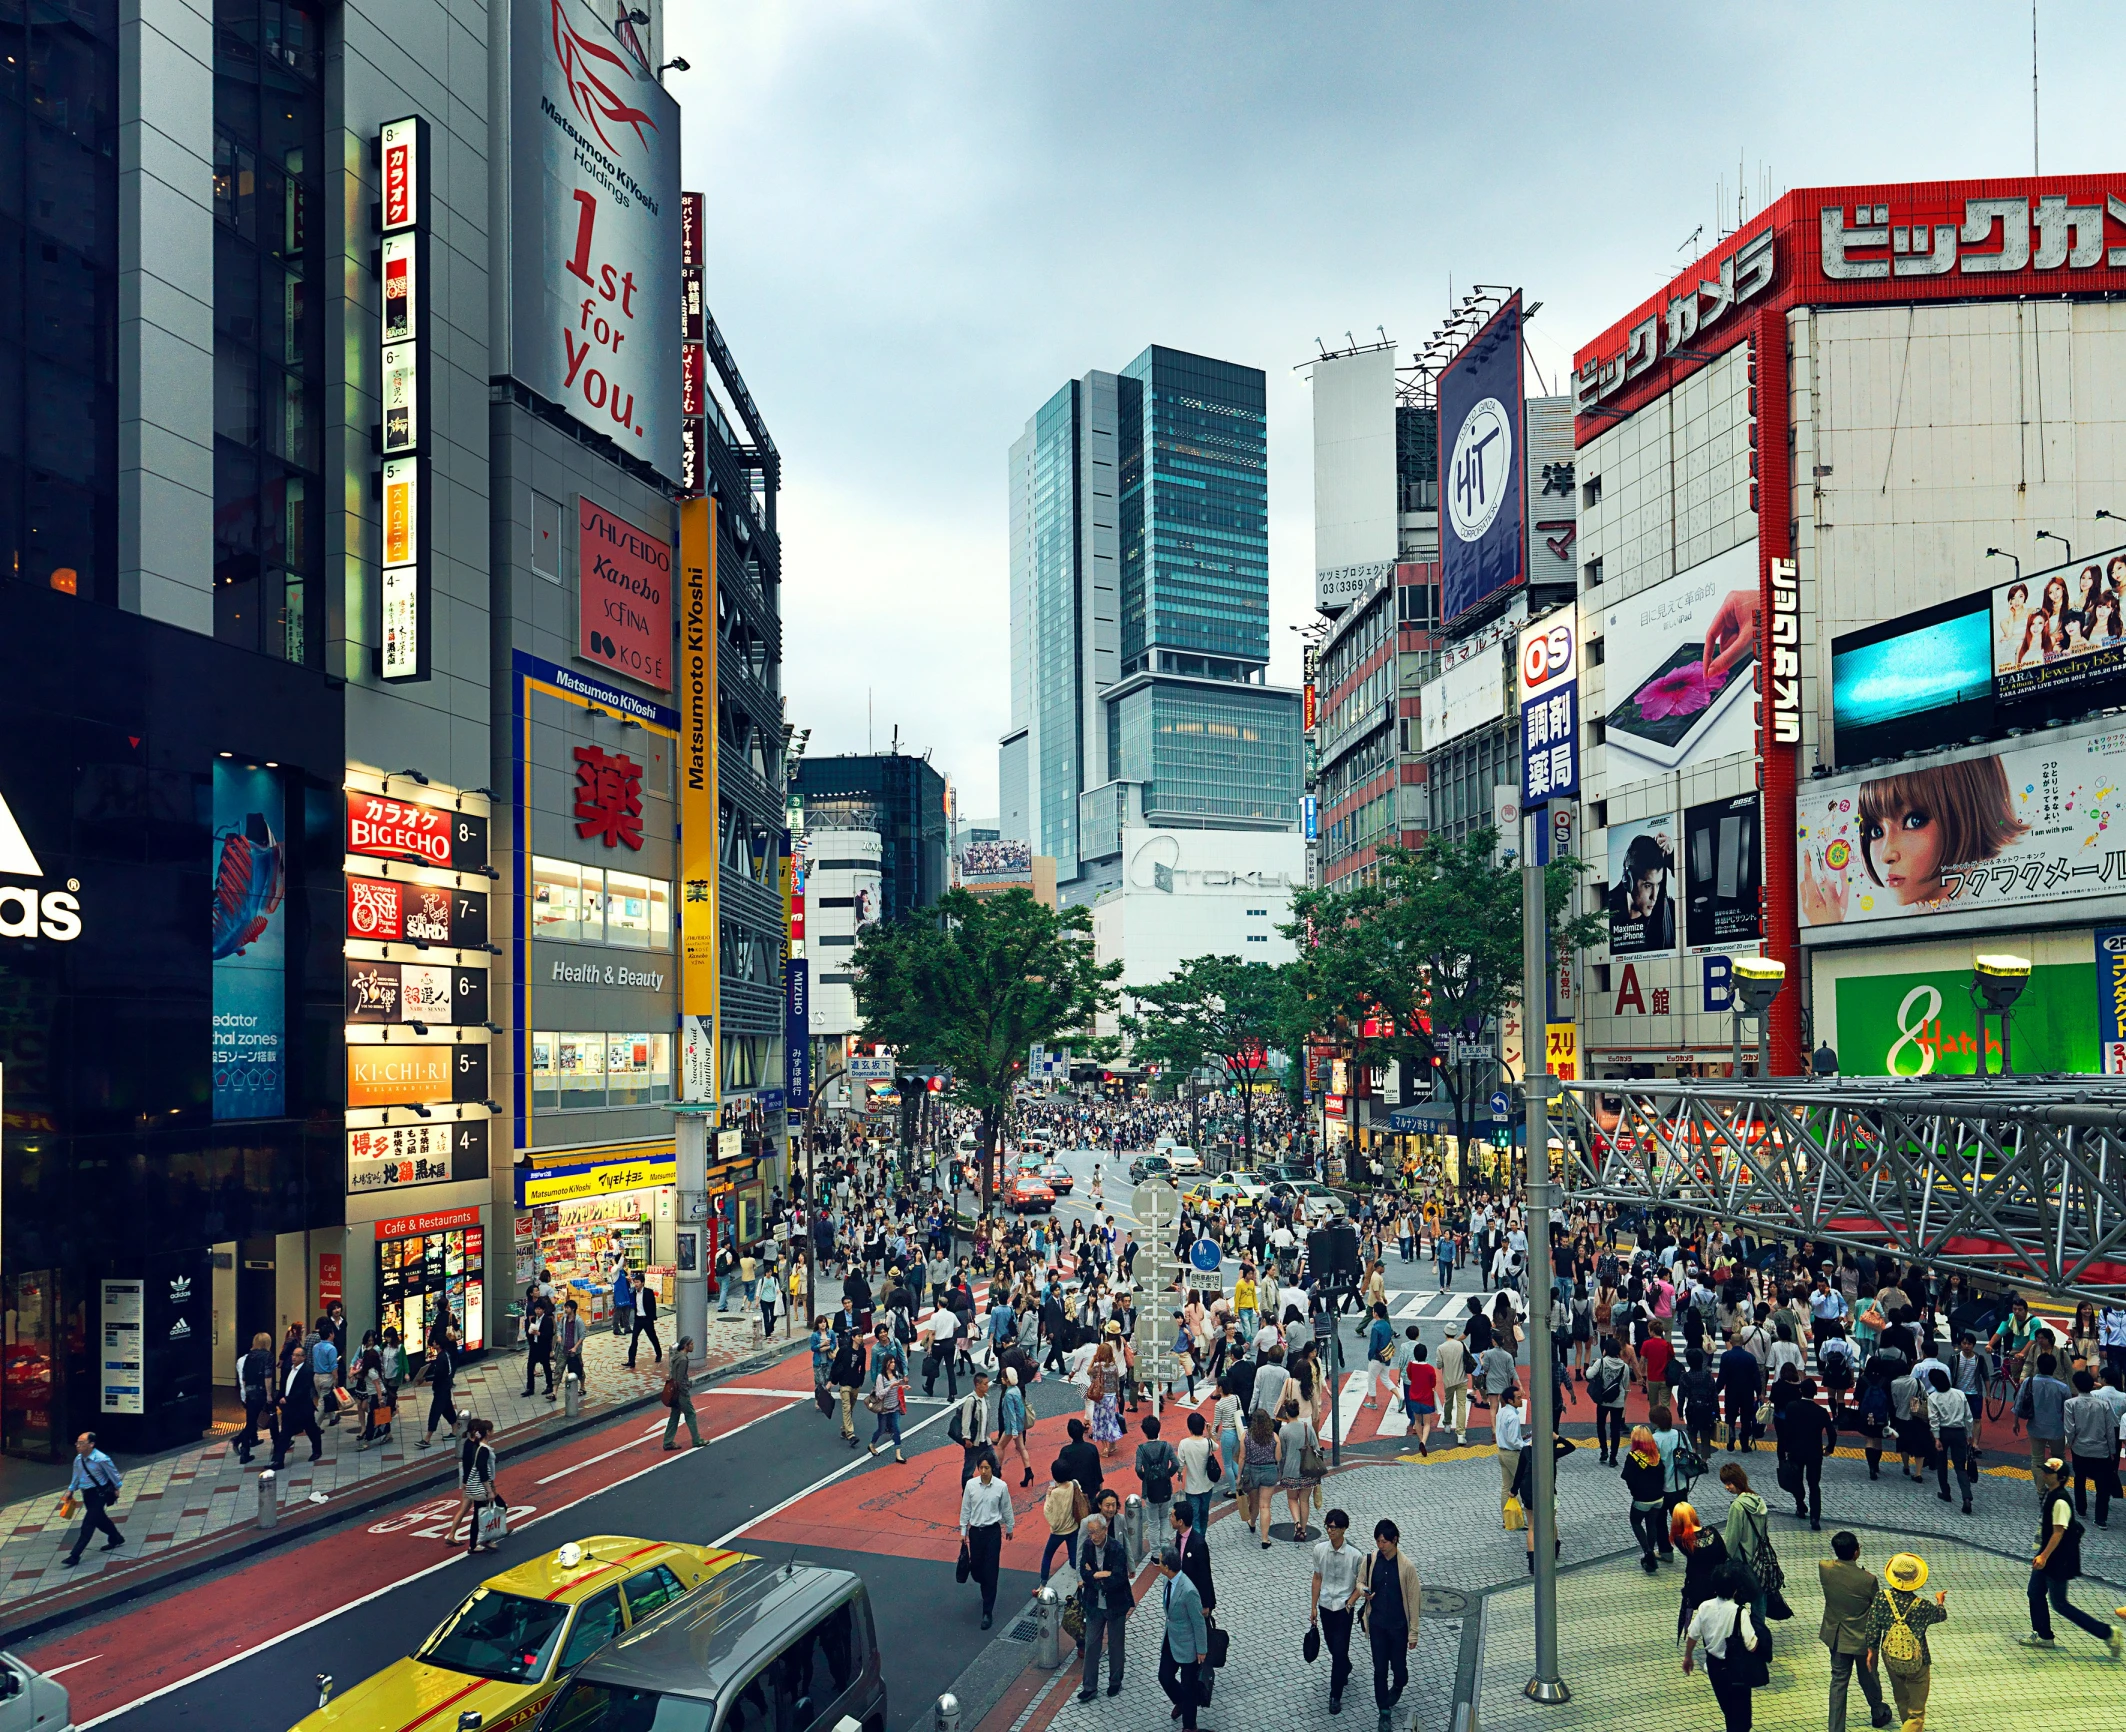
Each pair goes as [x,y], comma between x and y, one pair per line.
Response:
[2015,1180]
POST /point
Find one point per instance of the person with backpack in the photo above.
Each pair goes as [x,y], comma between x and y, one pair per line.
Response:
[1607,1384]
[1897,1635]
[1157,1469]
[1872,1413]
[1737,1645]
[1839,1363]
[2058,1562]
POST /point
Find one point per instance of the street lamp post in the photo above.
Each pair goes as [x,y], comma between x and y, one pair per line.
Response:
[1546,1685]
[1757,982]
[2000,983]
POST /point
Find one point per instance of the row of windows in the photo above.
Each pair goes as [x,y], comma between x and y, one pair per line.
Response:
[588,905]
[573,1070]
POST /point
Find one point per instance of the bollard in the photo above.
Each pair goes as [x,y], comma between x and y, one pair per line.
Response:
[571,1395]
[947,1718]
[1133,1537]
[1048,1636]
[269,1503]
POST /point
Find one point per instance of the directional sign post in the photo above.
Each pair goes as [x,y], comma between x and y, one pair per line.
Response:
[1501,1107]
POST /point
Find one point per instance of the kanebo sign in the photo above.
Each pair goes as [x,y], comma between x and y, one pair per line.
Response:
[26,913]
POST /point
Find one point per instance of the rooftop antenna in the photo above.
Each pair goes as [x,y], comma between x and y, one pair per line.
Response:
[1691,239]
[2033,87]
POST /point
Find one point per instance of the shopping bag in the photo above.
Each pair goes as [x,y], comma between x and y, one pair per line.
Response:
[1516,1517]
[1310,1646]
[492,1523]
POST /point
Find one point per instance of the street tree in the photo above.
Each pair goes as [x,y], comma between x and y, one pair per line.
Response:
[1429,950]
[970,984]
[1213,1011]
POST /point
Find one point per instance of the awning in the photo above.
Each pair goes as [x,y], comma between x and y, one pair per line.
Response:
[1422,1121]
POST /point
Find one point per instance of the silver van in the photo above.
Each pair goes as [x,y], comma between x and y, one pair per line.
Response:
[762,1648]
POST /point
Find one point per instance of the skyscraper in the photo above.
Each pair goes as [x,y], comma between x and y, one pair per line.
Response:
[1140,617]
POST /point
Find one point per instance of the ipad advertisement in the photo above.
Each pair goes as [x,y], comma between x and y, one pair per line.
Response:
[1680,661]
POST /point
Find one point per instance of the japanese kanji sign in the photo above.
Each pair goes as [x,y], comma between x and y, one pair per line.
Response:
[608,797]
[1549,689]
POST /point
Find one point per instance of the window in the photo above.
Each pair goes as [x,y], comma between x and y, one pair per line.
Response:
[1598,815]
[597,1623]
[573,1070]
[546,537]
[751,1710]
[588,905]
[497,1635]
[1601,974]
[1597,652]
[1591,491]
[1592,573]
[586,1707]
[814,1672]
[653,1587]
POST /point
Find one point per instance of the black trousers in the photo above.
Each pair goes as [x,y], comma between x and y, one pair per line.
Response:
[287,1427]
[1610,1430]
[1807,1489]
[1650,1528]
[95,1504]
[644,1326]
[2044,1587]
[2104,1471]
[257,1406]
[441,1407]
[1179,1681]
[1741,1415]
[1391,1663]
[1336,1634]
[1952,1448]
[985,1549]
[533,1360]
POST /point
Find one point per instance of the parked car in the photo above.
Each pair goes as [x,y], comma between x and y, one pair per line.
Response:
[1026,1194]
[791,1646]
[29,1701]
[509,1645]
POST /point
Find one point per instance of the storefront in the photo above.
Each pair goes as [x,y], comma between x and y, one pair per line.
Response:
[431,1266]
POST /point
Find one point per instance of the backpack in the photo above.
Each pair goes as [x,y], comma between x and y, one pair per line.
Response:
[1902,1655]
[1607,1382]
[1157,1471]
[1875,1404]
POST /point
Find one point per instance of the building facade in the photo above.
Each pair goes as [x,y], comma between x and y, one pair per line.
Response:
[844,893]
[1140,617]
[337,602]
[1829,478]
[899,798]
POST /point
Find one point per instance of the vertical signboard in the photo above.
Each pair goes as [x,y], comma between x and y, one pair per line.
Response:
[797,1028]
[2111,999]
[623,596]
[693,337]
[404,621]
[1549,687]
[594,168]
[249,943]
[698,939]
[124,1366]
[1483,485]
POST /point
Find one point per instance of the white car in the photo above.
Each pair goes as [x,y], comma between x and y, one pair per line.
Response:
[29,1701]
[1253,1186]
[1183,1159]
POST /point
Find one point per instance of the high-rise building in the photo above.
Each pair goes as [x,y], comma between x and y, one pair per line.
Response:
[1140,618]
[897,796]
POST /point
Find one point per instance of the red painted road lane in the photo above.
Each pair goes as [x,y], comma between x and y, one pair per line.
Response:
[169,1640]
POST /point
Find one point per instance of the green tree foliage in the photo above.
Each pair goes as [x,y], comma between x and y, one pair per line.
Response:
[971,984]
[1217,1011]
[1432,946]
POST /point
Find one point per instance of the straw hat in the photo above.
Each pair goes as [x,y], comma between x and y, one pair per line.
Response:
[1906,1573]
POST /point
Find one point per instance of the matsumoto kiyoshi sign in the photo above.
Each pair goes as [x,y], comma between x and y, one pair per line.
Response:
[594,158]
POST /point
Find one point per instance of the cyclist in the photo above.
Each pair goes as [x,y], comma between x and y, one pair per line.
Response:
[2011,1341]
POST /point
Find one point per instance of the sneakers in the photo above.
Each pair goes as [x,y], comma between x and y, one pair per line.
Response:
[2034,1640]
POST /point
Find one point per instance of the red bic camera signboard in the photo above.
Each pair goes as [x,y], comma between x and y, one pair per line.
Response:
[405,621]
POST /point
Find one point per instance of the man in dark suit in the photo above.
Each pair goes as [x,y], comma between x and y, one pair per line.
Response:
[297,1411]
[645,1324]
[1195,1553]
[1848,1594]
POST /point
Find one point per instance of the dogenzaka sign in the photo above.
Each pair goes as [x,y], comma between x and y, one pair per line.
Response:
[594,162]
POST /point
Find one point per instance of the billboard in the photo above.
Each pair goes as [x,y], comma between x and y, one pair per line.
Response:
[623,596]
[1642,886]
[1924,1023]
[1355,522]
[2059,631]
[1461,700]
[1678,660]
[1483,493]
[1964,838]
[250,943]
[1913,682]
[595,275]
[1722,871]
[699,988]
[1547,686]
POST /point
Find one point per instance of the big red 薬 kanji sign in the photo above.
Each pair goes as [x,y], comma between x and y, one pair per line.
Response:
[608,797]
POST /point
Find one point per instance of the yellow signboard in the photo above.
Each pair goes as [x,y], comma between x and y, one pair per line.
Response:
[1561,1050]
[601,1181]
[698,817]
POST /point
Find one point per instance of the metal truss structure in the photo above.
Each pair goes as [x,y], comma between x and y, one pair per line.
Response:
[2013,1181]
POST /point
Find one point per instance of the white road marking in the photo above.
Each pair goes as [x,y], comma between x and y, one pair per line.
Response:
[862,1459]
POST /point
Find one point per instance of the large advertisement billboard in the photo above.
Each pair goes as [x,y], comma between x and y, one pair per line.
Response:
[1642,886]
[594,166]
[250,943]
[623,596]
[1461,700]
[1483,492]
[1966,838]
[1722,874]
[2060,630]
[1679,658]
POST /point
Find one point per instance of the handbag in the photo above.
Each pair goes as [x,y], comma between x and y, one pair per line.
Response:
[669,1394]
[965,1567]
[67,1507]
[492,1522]
[1219,1645]
[1310,1645]
[1074,1618]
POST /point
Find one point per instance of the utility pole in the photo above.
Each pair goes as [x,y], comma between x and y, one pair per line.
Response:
[1546,1686]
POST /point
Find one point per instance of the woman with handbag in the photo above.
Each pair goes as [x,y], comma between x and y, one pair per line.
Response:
[1294,1433]
[1737,1651]
[1104,1599]
[887,1400]
[1103,1394]
[479,1490]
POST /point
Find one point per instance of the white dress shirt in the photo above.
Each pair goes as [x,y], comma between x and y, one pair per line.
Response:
[1337,1566]
[985,1505]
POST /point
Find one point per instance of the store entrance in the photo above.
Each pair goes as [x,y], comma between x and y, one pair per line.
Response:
[31,1380]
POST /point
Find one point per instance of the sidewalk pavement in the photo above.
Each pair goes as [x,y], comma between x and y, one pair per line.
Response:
[1447,1507]
[183,1502]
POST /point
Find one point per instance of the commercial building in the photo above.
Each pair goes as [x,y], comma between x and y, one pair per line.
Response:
[1849,619]
[989,865]
[340,453]
[896,796]
[1140,618]
[844,893]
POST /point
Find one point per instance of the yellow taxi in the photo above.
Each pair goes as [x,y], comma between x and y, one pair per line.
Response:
[503,1652]
[1215,1193]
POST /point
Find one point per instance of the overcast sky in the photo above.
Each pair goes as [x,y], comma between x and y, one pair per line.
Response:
[923,218]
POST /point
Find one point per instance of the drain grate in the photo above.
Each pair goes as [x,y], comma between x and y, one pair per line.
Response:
[1443,1602]
[1025,1629]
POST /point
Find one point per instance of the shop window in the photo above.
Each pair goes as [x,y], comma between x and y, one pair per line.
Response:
[580,1059]
[587,905]
[638,1069]
[546,1078]
[627,910]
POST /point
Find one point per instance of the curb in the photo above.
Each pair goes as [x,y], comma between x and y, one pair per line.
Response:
[241,1542]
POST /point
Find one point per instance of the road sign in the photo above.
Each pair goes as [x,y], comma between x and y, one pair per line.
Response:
[1501,1107]
[1204,1256]
[1155,1206]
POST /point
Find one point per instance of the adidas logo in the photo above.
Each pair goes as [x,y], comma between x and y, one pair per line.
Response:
[23,912]
[180,1289]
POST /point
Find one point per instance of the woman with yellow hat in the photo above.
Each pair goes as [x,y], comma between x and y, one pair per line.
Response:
[1897,1635]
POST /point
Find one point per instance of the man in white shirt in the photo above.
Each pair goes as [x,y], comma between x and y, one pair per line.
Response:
[1335,1598]
[1270,1380]
[1507,1433]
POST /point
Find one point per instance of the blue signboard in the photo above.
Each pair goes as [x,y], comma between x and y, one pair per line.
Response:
[1204,1256]
[1501,1107]
[1719,983]
[250,943]
[1310,818]
[1483,491]
[797,1034]
[1550,745]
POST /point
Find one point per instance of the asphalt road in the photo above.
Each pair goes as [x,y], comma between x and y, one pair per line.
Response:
[699,1496]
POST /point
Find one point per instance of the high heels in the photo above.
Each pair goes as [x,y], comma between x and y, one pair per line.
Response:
[1028,1480]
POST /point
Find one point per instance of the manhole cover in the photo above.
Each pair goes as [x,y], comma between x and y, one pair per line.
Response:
[1442,1602]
